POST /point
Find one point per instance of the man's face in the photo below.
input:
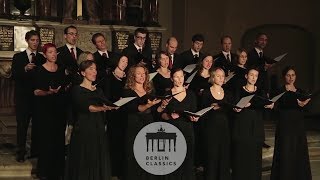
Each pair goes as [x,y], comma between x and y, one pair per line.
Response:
[100,43]
[140,39]
[33,42]
[262,41]
[172,46]
[226,44]
[71,36]
[197,46]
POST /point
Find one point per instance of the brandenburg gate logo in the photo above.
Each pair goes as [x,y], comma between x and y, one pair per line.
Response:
[160,148]
[161,138]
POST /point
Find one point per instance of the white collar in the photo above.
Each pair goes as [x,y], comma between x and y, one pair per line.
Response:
[101,52]
[194,52]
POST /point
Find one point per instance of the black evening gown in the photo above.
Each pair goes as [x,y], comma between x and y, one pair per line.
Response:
[113,88]
[88,157]
[197,85]
[291,156]
[216,138]
[247,138]
[183,123]
[50,110]
[136,121]
[161,84]
[238,79]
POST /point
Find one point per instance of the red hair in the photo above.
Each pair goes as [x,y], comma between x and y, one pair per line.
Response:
[47,46]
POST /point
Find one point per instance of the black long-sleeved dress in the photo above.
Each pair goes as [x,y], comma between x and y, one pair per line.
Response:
[217,138]
[112,88]
[291,156]
[183,123]
[136,120]
[247,138]
[51,114]
[88,157]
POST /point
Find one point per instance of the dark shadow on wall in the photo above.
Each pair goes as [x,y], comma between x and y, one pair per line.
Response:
[299,43]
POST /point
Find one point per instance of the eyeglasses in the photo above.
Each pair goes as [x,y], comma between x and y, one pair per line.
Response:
[72,34]
[141,38]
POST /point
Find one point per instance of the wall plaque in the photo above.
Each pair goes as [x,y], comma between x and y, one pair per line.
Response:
[47,35]
[120,40]
[6,38]
[155,40]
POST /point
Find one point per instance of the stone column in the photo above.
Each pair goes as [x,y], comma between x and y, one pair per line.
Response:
[44,8]
[119,11]
[4,7]
[151,9]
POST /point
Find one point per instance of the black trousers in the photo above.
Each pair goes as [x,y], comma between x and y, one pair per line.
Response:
[24,114]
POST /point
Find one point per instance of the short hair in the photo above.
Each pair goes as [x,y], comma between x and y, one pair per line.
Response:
[225,37]
[158,57]
[83,57]
[31,33]
[47,46]
[85,64]
[174,70]
[213,73]
[252,68]
[140,30]
[95,36]
[170,39]
[260,34]
[197,37]
[69,27]
[287,69]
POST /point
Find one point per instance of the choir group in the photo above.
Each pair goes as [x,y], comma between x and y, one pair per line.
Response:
[69,94]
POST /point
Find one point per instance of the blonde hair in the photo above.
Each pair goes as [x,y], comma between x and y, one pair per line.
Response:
[213,73]
[130,83]
[83,57]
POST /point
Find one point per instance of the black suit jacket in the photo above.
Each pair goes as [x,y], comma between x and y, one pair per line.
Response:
[187,58]
[104,65]
[24,79]
[135,57]
[222,62]
[65,59]
[255,61]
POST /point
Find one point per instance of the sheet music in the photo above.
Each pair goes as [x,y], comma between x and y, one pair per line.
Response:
[152,75]
[199,113]
[190,68]
[244,101]
[191,77]
[123,101]
[279,58]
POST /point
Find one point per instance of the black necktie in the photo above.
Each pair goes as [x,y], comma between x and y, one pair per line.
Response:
[140,50]
[73,54]
[228,58]
[33,57]
[260,54]
[104,54]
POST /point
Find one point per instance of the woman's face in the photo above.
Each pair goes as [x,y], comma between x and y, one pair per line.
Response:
[252,76]
[242,58]
[218,77]
[90,57]
[140,75]
[164,61]
[290,77]
[51,54]
[90,73]
[178,78]
[207,62]
[123,63]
